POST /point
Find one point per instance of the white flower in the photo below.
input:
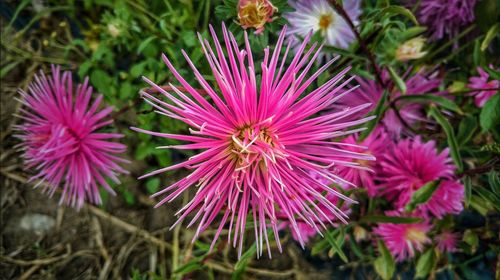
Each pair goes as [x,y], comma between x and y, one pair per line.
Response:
[319,15]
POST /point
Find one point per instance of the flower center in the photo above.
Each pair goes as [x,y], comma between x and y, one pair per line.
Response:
[324,21]
[414,234]
[255,13]
[254,145]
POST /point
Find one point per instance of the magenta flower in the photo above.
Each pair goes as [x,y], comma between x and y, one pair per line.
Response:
[60,139]
[403,240]
[319,16]
[361,172]
[481,82]
[447,199]
[262,138]
[447,241]
[444,17]
[409,165]
[369,91]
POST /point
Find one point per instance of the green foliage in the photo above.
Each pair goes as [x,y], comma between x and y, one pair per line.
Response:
[426,263]
[384,264]
[422,195]
[490,114]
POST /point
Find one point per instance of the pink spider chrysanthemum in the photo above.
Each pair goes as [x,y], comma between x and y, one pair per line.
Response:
[447,241]
[409,165]
[486,88]
[262,137]
[403,240]
[60,139]
[369,91]
[361,174]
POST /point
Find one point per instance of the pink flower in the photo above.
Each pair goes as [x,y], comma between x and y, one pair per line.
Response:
[481,82]
[403,240]
[361,172]
[447,199]
[255,14]
[60,139]
[369,91]
[409,165]
[447,241]
[261,140]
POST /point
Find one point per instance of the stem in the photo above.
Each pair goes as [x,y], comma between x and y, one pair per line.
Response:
[449,43]
[362,44]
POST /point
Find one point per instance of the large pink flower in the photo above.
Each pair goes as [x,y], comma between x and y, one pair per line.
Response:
[409,165]
[60,139]
[481,82]
[369,91]
[403,240]
[361,172]
[262,137]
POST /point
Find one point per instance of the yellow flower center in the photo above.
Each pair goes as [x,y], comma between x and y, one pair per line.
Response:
[254,145]
[413,234]
[324,21]
[255,13]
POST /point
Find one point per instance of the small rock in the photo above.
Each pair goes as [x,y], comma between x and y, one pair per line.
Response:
[37,223]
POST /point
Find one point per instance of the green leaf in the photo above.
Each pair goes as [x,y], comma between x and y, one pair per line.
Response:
[492,32]
[241,265]
[470,238]
[450,136]
[84,68]
[398,81]
[494,180]
[466,130]
[425,263]
[101,80]
[490,114]
[440,100]
[384,264]
[494,74]
[129,197]
[189,267]
[152,185]
[422,195]
[7,68]
[389,219]
[378,113]
[355,248]
[480,205]
[319,246]
[489,197]
[399,10]
[412,32]
[145,43]
[468,190]
[335,245]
